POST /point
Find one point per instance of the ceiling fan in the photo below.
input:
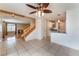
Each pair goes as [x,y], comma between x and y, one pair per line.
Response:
[41,7]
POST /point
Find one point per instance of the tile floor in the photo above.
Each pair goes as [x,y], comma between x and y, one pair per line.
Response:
[15,47]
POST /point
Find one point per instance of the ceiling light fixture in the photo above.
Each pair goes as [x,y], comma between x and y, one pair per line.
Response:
[13,15]
[39,13]
[58,21]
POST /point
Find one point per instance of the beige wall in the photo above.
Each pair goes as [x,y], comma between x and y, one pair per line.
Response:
[0,28]
[0,24]
[40,31]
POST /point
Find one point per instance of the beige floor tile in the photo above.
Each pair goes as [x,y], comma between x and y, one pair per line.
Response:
[15,47]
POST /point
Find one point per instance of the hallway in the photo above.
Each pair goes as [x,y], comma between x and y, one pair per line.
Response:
[15,47]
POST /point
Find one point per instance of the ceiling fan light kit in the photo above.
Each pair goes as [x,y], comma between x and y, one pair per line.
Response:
[39,13]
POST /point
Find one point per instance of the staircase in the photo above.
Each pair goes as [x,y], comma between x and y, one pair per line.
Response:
[28,30]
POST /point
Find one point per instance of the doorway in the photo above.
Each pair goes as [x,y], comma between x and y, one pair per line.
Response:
[11,29]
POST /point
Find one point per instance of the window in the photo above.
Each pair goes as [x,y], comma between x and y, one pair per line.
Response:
[10,27]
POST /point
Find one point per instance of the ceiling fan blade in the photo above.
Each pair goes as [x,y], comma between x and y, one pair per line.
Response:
[47,11]
[32,12]
[31,6]
[45,5]
[39,3]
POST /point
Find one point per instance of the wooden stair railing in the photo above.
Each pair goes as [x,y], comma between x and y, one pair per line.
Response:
[28,30]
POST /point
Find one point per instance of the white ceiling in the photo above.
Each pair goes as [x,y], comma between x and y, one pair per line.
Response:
[21,8]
